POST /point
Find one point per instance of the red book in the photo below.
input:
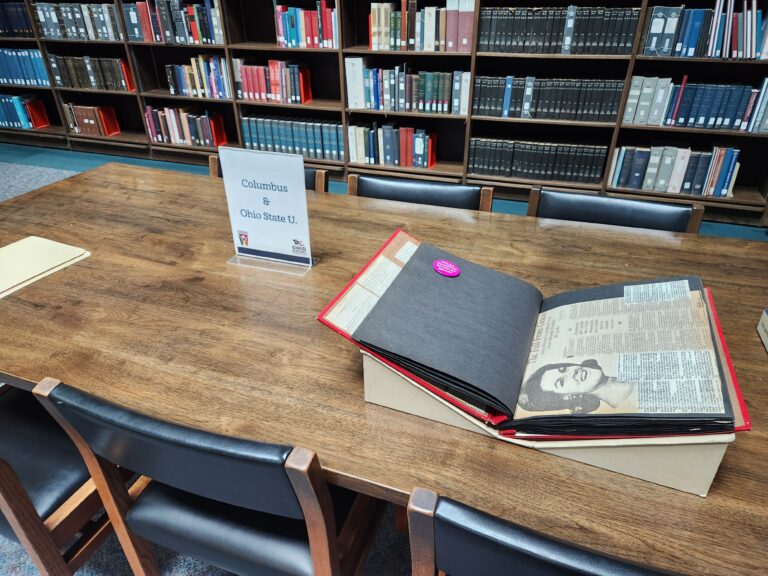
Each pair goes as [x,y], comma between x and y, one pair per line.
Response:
[327,28]
[127,76]
[307,15]
[274,80]
[151,128]
[404,25]
[748,113]
[305,86]
[217,130]
[452,26]
[36,112]
[431,150]
[735,36]
[260,73]
[315,29]
[466,21]
[279,10]
[193,24]
[679,99]
[403,133]
[245,82]
[146,26]
[108,120]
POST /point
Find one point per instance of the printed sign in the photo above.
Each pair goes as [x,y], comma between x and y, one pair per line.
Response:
[267,203]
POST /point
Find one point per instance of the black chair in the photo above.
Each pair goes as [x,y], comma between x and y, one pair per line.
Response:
[246,507]
[47,497]
[314,178]
[421,192]
[460,541]
[585,207]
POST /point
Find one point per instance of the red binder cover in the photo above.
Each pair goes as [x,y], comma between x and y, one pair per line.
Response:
[127,76]
[495,418]
[305,86]
[36,112]
[108,121]
[217,130]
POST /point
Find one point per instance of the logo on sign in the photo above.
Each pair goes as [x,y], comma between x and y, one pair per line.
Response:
[243,235]
[298,247]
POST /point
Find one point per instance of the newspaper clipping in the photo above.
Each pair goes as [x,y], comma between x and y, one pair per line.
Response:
[650,352]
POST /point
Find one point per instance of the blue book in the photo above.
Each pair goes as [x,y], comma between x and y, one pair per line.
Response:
[697,20]
[701,113]
[759,34]
[686,103]
[726,184]
[718,182]
[690,172]
[209,18]
[253,130]
[626,168]
[730,104]
[376,97]
[507,96]
[682,32]
[373,157]
[736,122]
[340,139]
[617,169]
[717,102]
[668,119]
[639,165]
[21,112]
[701,173]
[719,36]
[246,132]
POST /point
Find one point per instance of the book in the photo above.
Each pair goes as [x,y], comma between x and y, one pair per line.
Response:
[528,366]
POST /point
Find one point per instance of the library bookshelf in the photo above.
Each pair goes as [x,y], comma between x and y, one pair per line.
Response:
[249,32]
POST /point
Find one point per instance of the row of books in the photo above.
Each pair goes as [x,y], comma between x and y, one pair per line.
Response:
[204,77]
[78,21]
[174,22]
[186,126]
[571,30]
[675,170]
[91,72]
[312,139]
[536,160]
[25,112]
[398,90]
[299,28]
[14,22]
[658,102]
[91,120]
[23,67]
[278,81]
[431,29]
[674,31]
[551,98]
[392,146]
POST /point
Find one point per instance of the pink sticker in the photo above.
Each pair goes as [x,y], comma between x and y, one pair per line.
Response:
[446,268]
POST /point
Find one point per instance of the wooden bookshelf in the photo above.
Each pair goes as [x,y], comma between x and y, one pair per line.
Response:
[249,33]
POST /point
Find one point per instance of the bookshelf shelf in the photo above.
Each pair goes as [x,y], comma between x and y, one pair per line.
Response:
[501,180]
[441,168]
[125,137]
[364,50]
[685,130]
[95,91]
[165,45]
[249,33]
[316,104]
[166,94]
[80,41]
[195,149]
[52,130]
[545,121]
[534,56]
[431,115]
[25,87]
[268,47]
[749,199]
[643,58]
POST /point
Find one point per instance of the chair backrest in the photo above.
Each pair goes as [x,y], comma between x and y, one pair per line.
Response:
[456,539]
[234,471]
[314,178]
[586,207]
[422,192]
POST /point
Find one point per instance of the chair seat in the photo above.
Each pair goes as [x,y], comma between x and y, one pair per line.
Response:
[41,454]
[230,537]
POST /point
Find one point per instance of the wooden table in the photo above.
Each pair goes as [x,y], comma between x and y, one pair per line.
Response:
[157,321]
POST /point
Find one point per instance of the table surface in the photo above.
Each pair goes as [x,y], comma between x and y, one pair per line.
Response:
[157,321]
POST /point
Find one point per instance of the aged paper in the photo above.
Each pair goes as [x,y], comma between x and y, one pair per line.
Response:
[650,352]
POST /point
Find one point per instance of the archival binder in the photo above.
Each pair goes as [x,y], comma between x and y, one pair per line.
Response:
[686,463]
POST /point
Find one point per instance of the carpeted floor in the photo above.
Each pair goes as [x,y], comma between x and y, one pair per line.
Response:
[389,556]
[18,178]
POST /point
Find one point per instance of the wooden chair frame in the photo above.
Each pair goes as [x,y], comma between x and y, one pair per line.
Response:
[321,176]
[43,538]
[421,525]
[332,555]
[486,193]
[694,223]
